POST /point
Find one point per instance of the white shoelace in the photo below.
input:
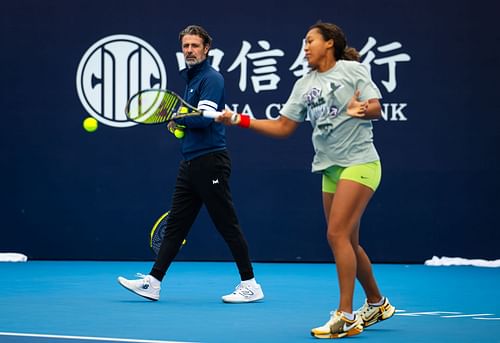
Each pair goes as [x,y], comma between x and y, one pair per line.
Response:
[241,289]
[144,278]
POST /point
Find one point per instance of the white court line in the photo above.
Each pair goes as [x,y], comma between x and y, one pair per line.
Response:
[88,338]
[477,316]
[486,318]
[418,314]
[468,315]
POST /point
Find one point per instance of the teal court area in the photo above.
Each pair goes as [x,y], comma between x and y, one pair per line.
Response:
[56,302]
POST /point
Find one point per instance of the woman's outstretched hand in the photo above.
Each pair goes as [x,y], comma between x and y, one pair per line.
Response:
[357,108]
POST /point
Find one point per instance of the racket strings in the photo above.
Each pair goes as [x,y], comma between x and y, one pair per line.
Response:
[165,109]
[157,107]
[152,107]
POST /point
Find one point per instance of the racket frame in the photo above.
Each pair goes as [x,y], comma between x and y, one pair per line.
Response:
[168,102]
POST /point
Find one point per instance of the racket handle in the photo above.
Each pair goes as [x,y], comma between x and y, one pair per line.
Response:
[211,114]
[234,118]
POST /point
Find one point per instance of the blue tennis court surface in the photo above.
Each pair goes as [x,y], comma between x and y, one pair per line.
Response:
[62,302]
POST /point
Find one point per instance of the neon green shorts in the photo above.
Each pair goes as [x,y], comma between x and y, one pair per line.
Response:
[368,174]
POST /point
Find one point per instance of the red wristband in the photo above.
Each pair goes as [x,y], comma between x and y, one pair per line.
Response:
[244,121]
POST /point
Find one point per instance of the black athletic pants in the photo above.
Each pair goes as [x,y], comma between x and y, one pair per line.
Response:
[203,181]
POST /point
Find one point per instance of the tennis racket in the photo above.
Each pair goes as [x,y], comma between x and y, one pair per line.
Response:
[158,233]
[157,106]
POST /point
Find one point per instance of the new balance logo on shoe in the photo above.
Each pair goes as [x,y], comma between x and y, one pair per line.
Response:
[246,292]
[142,287]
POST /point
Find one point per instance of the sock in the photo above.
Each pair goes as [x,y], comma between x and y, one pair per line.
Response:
[251,282]
[380,303]
[349,316]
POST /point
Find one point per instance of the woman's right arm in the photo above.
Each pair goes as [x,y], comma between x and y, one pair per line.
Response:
[279,128]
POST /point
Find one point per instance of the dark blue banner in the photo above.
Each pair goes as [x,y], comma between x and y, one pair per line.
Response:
[70,194]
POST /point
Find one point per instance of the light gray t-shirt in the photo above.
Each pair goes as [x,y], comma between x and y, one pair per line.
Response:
[338,138]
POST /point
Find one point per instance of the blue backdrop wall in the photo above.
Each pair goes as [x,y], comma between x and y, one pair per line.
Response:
[69,194]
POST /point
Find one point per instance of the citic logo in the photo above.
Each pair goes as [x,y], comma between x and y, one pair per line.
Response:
[114,69]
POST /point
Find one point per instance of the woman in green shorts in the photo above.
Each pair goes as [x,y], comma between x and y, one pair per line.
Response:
[340,100]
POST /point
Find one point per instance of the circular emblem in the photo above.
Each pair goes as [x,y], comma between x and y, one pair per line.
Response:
[111,71]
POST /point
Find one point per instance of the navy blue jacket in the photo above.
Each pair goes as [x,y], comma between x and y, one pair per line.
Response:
[205,89]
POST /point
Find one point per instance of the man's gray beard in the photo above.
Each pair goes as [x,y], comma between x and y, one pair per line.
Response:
[190,65]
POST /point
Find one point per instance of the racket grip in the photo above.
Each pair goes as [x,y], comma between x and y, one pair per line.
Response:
[211,114]
[234,118]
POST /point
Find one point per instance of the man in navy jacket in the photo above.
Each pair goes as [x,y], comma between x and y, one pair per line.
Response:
[203,177]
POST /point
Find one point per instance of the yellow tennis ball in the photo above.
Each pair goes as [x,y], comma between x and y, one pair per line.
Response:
[183,110]
[184,242]
[90,124]
[179,133]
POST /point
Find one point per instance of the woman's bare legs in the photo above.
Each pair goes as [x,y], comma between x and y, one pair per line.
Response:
[343,212]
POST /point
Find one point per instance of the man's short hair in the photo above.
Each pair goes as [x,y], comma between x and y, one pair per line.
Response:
[197,31]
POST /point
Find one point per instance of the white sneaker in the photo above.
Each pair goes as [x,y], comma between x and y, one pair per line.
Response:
[339,326]
[142,287]
[244,294]
[372,314]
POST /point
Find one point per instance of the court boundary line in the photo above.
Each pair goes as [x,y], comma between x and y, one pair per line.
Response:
[447,314]
[88,338]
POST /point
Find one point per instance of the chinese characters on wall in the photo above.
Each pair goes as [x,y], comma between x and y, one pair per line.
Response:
[259,69]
